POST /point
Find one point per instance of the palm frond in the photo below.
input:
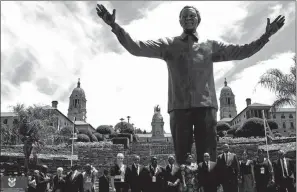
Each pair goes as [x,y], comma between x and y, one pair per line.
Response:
[271,79]
[282,101]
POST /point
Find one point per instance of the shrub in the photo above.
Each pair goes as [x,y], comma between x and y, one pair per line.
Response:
[252,127]
[272,124]
[233,129]
[105,129]
[113,135]
[86,132]
[99,136]
[94,138]
[223,127]
[121,140]
[83,138]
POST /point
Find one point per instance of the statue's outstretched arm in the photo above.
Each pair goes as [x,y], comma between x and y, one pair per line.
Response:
[149,48]
[229,52]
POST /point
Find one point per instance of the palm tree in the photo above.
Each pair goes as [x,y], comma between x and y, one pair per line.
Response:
[283,85]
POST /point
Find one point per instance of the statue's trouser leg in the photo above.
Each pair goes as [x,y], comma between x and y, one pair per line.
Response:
[205,121]
[182,133]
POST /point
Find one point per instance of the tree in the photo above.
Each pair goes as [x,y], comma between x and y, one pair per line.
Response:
[283,85]
[105,129]
[65,134]
[34,126]
[138,131]
[6,133]
[124,127]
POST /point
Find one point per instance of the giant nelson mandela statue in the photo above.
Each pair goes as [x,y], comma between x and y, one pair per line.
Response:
[192,100]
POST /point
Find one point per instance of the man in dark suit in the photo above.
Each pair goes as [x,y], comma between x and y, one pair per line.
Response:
[152,177]
[229,173]
[133,175]
[207,174]
[74,180]
[42,180]
[59,181]
[284,173]
[171,175]
[104,182]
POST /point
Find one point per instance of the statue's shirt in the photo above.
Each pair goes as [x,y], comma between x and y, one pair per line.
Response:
[190,64]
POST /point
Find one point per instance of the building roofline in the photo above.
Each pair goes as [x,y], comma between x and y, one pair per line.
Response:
[249,106]
[55,109]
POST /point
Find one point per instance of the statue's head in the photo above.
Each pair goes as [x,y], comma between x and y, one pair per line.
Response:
[189,18]
[157,109]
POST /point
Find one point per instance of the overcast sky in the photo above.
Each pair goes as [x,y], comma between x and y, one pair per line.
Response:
[47,46]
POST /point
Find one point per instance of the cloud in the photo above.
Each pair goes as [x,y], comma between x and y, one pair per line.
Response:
[245,83]
[64,41]
[45,86]
[20,66]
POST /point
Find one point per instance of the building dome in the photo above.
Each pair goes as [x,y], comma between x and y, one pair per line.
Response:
[78,91]
[226,89]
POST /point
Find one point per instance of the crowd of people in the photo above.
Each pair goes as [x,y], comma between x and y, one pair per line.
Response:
[228,173]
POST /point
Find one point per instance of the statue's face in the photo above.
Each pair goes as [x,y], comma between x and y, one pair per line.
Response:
[189,19]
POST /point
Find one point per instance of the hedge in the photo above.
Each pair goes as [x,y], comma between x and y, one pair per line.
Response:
[127,135]
[99,136]
[233,129]
[284,146]
[94,138]
[104,144]
[251,127]
[86,132]
[255,140]
[113,135]
[83,138]
[121,140]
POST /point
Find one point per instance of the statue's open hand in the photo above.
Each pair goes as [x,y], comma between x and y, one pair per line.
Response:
[102,12]
[273,27]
